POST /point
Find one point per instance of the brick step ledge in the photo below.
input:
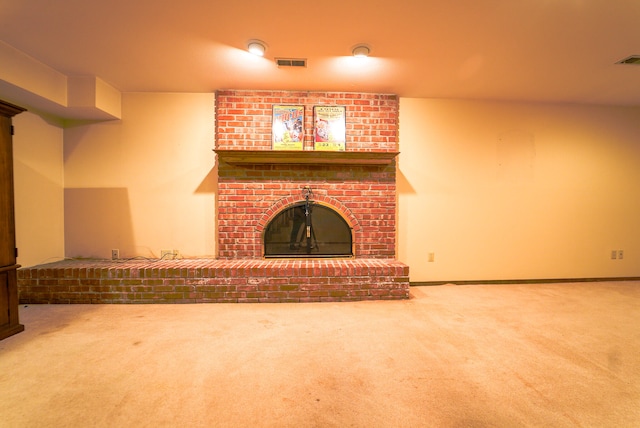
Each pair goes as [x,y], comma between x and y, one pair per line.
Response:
[213,281]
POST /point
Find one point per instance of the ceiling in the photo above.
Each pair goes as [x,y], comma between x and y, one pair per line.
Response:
[562,51]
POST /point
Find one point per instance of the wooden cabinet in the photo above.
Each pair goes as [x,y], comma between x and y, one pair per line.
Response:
[9,324]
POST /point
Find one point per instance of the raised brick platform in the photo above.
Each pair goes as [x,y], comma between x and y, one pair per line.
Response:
[209,280]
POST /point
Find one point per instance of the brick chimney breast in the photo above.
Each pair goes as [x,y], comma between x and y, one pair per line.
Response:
[250,193]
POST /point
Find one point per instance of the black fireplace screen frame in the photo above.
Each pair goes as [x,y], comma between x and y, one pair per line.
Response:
[308,230]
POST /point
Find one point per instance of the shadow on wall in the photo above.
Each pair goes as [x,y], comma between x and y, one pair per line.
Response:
[403,185]
[97,220]
[209,183]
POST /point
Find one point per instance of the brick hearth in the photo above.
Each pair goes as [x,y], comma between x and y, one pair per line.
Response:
[209,281]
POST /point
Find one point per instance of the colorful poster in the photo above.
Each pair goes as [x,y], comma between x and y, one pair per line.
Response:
[329,129]
[288,128]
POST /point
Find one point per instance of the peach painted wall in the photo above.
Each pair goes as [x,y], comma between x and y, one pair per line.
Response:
[39,188]
[144,183]
[518,191]
[493,190]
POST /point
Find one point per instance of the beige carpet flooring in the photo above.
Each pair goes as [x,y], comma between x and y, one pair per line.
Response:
[543,355]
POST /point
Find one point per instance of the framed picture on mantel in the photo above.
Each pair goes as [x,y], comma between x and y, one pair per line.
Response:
[329,129]
[288,127]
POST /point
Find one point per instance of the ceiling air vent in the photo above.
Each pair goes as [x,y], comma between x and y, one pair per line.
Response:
[633,60]
[291,62]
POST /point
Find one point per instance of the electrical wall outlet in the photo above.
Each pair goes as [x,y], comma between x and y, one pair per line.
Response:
[431,257]
[115,254]
[617,254]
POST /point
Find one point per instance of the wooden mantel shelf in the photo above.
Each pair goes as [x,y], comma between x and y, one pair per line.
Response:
[305,157]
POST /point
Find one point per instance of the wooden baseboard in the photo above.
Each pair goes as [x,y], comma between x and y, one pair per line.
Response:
[521,281]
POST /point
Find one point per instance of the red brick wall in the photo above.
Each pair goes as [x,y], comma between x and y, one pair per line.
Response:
[365,194]
[243,118]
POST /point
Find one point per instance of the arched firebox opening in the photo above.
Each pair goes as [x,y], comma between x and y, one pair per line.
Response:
[308,230]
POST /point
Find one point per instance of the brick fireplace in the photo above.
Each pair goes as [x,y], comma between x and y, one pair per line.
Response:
[255,182]
[255,185]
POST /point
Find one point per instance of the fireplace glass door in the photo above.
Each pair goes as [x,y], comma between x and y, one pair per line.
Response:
[308,230]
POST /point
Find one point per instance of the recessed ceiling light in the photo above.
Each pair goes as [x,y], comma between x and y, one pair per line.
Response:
[361,51]
[256,47]
[633,60]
